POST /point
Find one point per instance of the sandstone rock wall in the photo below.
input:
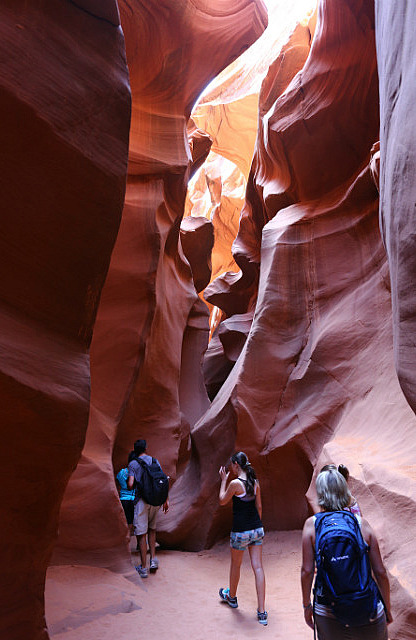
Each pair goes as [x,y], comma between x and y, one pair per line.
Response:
[316,350]
[397,62]
[227,186]
[64,162]
[316,380]
[151,327]
[228,112]
[290,200]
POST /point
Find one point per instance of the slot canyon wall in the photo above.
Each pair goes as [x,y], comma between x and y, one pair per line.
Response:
[311,307]
[152,328]
[310,354]
[64,162]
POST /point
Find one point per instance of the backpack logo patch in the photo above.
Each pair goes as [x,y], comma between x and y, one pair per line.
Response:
[339,558]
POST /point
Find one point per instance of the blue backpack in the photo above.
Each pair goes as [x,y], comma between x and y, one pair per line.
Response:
[343,578]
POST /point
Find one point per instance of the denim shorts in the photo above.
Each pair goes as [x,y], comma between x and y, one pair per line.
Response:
[240,540]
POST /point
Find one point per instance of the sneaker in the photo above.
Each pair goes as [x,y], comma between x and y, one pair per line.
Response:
[225,596]
[142,571]
[262,617]
[154,565]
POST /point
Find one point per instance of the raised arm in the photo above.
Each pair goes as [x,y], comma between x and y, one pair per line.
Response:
[377,565]
[308,568]
[227,493]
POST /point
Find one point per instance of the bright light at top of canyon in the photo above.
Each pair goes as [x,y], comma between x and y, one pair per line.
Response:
[283,16]
[299,7]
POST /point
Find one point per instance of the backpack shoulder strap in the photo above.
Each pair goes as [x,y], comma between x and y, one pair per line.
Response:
[348,515]
[143,462]
[319,518]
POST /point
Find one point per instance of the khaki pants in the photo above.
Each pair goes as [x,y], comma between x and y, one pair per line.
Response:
[144,517]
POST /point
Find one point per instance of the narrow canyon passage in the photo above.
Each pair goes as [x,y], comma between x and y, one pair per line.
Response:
[207,240]
[181,599]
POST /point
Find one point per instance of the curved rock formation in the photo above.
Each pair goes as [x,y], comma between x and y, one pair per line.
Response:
[396,56]
[197,239]
[63,182]
[304,336]
[151,327]
[229,112]
[316,378]
[270,234]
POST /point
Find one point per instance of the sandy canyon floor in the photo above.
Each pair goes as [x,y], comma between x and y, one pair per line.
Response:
[181,599]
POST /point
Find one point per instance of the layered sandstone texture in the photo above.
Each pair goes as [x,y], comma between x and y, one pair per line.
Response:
[152,328]
[228,113]
[313,316]
[397,65]
[62,191]
[315,378]
[396,56]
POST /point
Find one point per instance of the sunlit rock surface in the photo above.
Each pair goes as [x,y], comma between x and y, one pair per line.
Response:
[62,191]
[197,239]
[316,379]
[228,112]
[151,328]
[397,64]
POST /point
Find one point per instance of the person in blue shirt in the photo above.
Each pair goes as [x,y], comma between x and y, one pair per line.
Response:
[126,495]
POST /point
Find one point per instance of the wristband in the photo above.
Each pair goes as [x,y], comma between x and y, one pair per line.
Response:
[306,606]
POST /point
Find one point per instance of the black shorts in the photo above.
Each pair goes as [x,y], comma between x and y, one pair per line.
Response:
[128,506]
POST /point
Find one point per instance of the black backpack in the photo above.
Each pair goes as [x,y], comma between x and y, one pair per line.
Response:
[343,578]
[153,487]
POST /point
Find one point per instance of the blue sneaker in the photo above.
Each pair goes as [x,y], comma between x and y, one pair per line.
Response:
[262,617]
[142,571]
[225,596]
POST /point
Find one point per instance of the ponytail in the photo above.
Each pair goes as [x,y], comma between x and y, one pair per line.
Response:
[241,459]
[343,470]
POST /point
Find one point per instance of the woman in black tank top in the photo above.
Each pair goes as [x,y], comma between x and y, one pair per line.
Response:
[247,530]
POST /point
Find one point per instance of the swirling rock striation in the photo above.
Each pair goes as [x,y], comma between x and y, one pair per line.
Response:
[396,64]
[63,183]
[151,328]
[231,290]
[315,380]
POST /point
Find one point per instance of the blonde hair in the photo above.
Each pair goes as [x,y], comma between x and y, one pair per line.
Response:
[332,490]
